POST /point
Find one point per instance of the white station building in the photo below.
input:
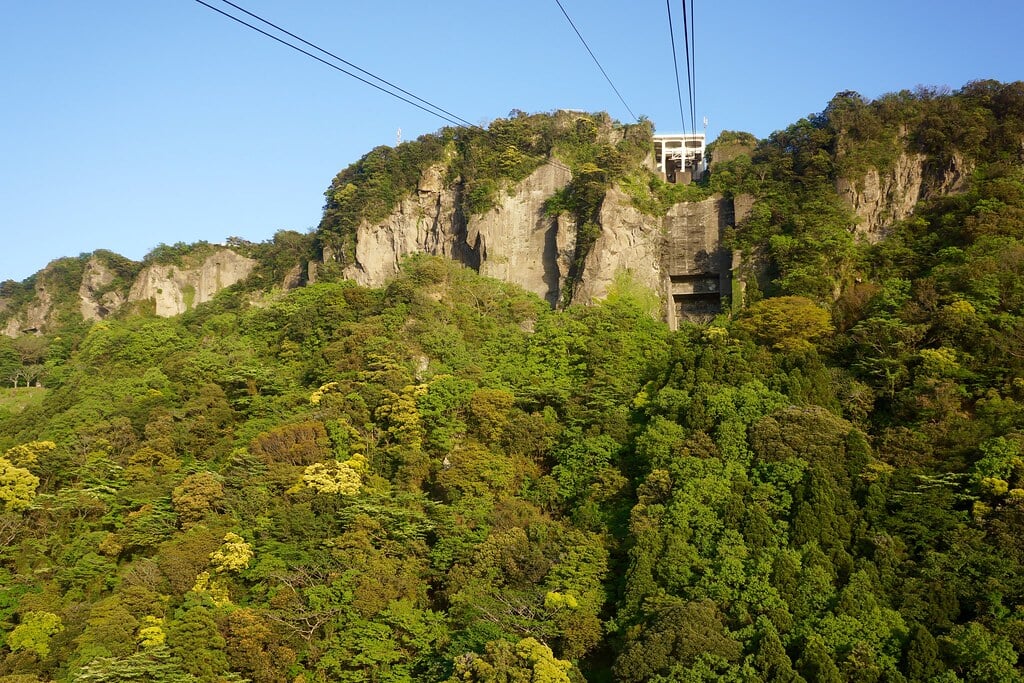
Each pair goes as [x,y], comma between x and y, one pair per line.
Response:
[680,157]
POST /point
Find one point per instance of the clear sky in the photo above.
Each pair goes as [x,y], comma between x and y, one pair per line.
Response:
[127,123]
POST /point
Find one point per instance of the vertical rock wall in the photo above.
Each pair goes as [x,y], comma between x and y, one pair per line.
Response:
[95,298]
[176,289]
[514,241]
[629,241]
[676,256]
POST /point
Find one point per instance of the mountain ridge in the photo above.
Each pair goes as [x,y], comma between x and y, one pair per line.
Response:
[558,204]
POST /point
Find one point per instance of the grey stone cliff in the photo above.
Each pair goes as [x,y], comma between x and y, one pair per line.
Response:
[175,289]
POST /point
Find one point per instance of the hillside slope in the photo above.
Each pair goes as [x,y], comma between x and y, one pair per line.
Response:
[446,478]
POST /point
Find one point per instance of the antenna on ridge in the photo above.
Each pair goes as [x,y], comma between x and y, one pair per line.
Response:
[398,137]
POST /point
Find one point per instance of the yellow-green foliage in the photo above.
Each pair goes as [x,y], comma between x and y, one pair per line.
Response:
[556,600]
[787,323]
[318,395]
[17,486]
[334,476]
[34,632]
[939,362]
[526,660]
[654,197]
[233,556]
[151,632]
[27,454]
[212,588]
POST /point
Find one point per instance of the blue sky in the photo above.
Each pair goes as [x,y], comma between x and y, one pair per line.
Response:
[127,123]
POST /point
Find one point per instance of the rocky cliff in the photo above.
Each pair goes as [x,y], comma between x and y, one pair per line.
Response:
[96,290]
[630,240]
[503,202]
[513,241]
[36,315]
[518,241]
[98,295]
[175,289]
[881,199]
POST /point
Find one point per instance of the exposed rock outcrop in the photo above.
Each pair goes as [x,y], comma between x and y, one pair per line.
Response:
[36,316]
[949,179]
[518,242]
[175,289]
[679,256]
[514,241]
[421,223]
[629,241]
[96,298]
[170,289]
[880,200]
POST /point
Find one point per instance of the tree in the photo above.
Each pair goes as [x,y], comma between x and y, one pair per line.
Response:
[675,632]
[528,661]
[296,444]
[233,556]
[111,630]
[34,632]
[10,362]
[981,656]
[197,495]
[26,454]
[155,664]
[335,476]
[770,659]
[17,486]
[403,443]
[195,640]
[921,658]
[254,649]
[816,664]
[787,323]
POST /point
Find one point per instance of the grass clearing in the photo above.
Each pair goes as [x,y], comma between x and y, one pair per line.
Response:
[16,400]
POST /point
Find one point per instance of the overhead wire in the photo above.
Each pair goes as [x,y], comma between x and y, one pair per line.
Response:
[441,113]
[675,63]
[324,61]
[594,57]
[689,71]
[693,59]
[347,63]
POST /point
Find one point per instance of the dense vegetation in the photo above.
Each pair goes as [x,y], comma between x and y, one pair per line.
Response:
[446,480]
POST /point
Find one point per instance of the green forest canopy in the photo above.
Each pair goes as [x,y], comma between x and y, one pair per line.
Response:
[444,479]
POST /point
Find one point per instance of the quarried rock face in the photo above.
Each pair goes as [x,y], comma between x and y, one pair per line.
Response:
[679,256]
[176,289]
[422,223]
[514,241]
[629,241]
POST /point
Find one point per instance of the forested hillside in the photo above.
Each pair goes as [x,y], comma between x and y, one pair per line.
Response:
[446,480]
